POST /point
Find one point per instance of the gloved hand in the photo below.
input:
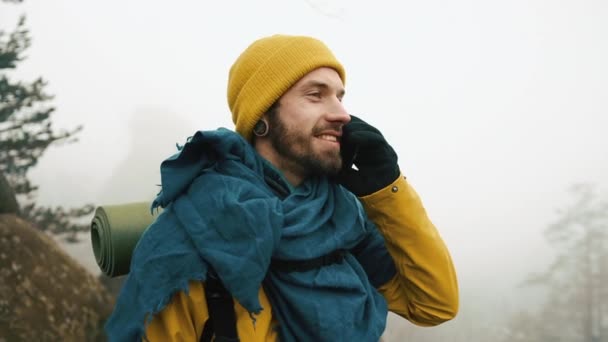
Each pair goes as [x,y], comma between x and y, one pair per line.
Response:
[364,146]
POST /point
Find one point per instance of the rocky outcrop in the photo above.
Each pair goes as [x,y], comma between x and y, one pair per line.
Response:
[45,295]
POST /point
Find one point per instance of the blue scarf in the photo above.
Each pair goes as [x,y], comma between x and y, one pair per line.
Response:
[221,214]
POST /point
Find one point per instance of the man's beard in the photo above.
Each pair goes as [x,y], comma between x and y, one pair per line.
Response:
[296,150]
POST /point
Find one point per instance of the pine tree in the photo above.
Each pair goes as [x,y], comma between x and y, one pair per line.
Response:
[26,132]
[576,308]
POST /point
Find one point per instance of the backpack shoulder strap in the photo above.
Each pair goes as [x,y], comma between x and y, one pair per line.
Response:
[222,319]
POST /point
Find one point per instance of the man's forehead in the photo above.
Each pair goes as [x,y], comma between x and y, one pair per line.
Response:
[322,77]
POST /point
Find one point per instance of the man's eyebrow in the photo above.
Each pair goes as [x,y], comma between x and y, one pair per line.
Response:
[322,85]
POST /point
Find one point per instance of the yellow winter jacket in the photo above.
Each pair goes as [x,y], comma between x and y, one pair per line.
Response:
[424,291]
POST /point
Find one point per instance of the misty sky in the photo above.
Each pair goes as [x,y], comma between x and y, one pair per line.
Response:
[494,107]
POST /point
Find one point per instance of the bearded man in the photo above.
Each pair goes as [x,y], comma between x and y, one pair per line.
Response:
[300,218]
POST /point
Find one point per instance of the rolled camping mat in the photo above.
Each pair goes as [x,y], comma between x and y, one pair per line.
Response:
[115,230]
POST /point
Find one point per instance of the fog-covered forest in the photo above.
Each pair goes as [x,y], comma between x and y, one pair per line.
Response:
[497,111]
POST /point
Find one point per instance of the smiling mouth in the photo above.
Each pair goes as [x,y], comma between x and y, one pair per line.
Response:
[328,137]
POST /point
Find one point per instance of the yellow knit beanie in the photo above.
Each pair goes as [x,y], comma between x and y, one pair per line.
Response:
[267,69]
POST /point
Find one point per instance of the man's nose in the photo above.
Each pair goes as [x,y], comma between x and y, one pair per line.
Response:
[338,113]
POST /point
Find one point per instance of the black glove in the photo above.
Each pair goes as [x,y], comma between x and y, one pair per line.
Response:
[364,146]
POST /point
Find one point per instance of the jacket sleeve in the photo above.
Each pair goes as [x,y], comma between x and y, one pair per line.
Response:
[425,288]
[184,317]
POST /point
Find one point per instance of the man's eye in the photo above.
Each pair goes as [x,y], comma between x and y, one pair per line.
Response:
[316,94]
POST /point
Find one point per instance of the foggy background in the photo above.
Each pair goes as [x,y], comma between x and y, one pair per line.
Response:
[494,107]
